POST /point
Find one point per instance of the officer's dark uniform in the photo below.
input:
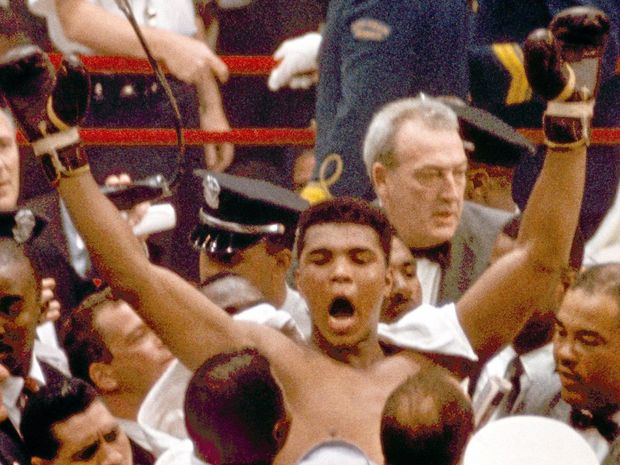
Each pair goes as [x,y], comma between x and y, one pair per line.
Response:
[258,29]
[498,84]
[374,52]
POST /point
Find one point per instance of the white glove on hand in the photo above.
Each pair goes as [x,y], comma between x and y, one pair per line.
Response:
[298,65]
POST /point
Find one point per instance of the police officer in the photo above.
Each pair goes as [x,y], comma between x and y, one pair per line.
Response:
[247,227]
[374,52]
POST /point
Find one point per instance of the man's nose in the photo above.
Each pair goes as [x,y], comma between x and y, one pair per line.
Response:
[341,269]
[564,352]
[110,455]
[401,286]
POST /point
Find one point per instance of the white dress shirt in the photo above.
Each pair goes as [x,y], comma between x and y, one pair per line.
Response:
[538,383]
[429,275]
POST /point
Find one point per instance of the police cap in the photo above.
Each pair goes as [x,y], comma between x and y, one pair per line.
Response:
[237,212]
[496,142]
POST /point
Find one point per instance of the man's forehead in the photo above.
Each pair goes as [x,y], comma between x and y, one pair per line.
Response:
[413,136]
[116,319]
[400,253]
[16,277]
[592,311]
[337,235]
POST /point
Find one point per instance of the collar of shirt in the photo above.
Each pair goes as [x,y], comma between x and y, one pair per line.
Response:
[562,411]
[429,274]
[12,388]
[134,432]
[538,361]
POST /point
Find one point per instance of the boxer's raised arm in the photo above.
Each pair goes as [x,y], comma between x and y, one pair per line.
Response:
[562,64]
[48,108]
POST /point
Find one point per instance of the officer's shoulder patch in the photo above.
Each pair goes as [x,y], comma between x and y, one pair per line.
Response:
[370,29]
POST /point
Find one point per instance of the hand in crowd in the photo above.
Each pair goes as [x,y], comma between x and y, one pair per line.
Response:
[217,157]
[298,65]
[50,307]
[188,59]
[136,214]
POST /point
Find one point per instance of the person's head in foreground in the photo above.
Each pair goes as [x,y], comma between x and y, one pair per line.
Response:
[528,440]
[426,420]
[235,412]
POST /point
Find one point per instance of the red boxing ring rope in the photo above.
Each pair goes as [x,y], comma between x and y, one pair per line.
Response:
[238,65]
[255,136]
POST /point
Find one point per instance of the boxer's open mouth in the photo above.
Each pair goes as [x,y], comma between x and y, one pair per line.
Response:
[341,308]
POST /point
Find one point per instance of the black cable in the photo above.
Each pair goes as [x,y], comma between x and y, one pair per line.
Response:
[125,7]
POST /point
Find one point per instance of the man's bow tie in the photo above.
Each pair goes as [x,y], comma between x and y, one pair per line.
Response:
[582,419]
[439,254]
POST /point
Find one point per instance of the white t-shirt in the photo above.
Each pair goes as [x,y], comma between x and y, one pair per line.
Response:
[172,15]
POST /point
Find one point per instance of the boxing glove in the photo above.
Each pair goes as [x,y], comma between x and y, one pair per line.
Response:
[562,64]
[47,106]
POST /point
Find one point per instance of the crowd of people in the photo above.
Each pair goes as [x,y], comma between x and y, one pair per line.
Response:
[440,290]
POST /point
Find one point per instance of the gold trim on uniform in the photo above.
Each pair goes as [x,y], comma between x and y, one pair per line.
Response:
[511,56]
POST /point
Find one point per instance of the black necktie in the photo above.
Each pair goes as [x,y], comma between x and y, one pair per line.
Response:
[439,254]
[582,419]
[513,374]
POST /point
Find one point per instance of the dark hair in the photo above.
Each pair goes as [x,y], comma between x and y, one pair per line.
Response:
[600,279]
[83,342]
[52,404]
[232,404]
[344,210]
[427,419]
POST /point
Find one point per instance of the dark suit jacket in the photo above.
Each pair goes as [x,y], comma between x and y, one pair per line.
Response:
[471,248]
[13,451]
[53,253]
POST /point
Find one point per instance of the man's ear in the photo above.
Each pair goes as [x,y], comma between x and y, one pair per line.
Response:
[283,258]
[379,172]
[478,185]
[297,278]
[102,376]
[280,431]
